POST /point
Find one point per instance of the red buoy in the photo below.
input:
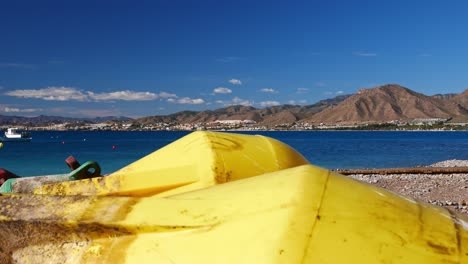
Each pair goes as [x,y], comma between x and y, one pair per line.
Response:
[72,163]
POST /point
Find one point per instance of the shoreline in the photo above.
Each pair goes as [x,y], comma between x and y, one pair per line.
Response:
[447,190]
[246,130]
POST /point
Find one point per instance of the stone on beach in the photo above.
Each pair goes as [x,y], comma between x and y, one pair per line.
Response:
[447,190]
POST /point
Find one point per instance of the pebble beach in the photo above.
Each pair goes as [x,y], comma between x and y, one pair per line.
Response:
[447,190]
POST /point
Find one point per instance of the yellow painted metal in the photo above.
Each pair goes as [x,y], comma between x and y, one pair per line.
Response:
[198,160]
[303,214]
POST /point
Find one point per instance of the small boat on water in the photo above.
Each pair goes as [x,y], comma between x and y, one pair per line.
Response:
[12,134]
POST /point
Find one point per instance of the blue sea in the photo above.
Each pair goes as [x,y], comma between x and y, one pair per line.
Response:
[46,153]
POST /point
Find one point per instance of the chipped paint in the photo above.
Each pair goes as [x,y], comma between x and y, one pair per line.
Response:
[180,213]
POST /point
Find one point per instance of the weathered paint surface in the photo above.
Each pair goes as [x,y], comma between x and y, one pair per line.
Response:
[88,170]
[298,215]
[199,160]
[269,209]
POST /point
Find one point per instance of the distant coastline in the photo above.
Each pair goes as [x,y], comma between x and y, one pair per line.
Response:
[387,107]
[131,126]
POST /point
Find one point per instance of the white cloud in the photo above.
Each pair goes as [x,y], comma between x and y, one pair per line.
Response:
[186,100]
[268,90]
[334,92]
[302,90]
[51,94]
[235,101]
[123,95]
[18,110]
[222,90]
[73,94]
[269,103]
[197,101]
[235,81]
[365,54]
[167,95]
[239,101]
[298,102]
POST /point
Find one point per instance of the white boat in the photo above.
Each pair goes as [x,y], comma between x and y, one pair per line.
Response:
[12,134]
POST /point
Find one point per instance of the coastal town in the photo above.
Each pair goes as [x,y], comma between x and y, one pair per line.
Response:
[247,125]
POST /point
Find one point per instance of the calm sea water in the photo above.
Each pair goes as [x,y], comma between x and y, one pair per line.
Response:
[330,149]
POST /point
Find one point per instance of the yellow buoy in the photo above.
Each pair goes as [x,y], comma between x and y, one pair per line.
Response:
[225,198]
[1,144]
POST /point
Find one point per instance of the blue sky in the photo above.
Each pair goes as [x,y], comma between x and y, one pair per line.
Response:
[140,58]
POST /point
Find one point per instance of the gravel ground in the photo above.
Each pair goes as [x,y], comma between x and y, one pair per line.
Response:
[447,190]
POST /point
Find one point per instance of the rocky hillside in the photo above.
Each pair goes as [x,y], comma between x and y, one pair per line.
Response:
[389,102]
[269,116]
[461,99]
[380,104]
[444,96]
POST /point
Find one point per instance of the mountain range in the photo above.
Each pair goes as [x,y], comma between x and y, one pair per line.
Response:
[379,104]
[394,102]
[269,116]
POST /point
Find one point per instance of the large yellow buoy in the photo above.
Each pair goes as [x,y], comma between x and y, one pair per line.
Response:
[215,197]
[1,144]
